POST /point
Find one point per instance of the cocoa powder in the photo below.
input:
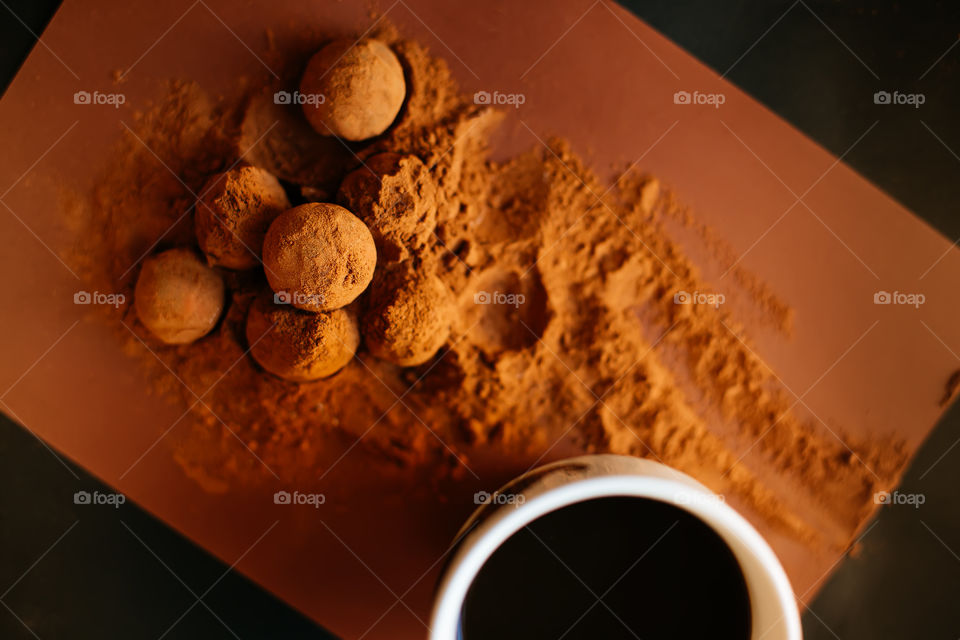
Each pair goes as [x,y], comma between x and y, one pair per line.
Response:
[234,213]
[410,315]
[395,196]
[583,342]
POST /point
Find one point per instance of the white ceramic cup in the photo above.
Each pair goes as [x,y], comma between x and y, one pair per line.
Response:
[772,603]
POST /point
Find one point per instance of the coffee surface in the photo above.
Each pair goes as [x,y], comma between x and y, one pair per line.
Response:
[609,568]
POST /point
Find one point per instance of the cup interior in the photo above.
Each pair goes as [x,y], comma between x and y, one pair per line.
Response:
[773,610]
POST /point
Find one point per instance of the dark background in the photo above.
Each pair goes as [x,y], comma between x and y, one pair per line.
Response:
[800,58]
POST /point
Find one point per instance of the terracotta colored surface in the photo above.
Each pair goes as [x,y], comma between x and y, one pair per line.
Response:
[589,72]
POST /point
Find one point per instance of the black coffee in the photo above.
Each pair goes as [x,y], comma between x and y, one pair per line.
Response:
[658,572]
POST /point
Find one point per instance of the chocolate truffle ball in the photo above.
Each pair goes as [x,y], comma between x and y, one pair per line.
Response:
[319,255]
[299,345]
[397,197]
[178,298]
[409,316]
[233,215]
[358,89]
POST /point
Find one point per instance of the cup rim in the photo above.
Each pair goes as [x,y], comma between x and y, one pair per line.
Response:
[489,535]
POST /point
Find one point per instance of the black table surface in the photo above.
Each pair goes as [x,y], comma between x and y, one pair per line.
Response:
[70,572]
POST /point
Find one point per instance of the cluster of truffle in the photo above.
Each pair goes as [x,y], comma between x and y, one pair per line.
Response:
[318,258]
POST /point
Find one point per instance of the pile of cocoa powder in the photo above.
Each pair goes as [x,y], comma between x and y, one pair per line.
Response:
[584,342]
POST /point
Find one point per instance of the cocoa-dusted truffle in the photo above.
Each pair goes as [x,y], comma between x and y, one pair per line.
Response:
[178,298]
[299,345]
[234,213]
[356,89]
[409,316]
[319,256]
[397,197]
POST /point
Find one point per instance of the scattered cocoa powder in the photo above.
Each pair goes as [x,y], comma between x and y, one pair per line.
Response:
[395,195]
[774,312]
[584,344]
[950,388]
[233,214]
